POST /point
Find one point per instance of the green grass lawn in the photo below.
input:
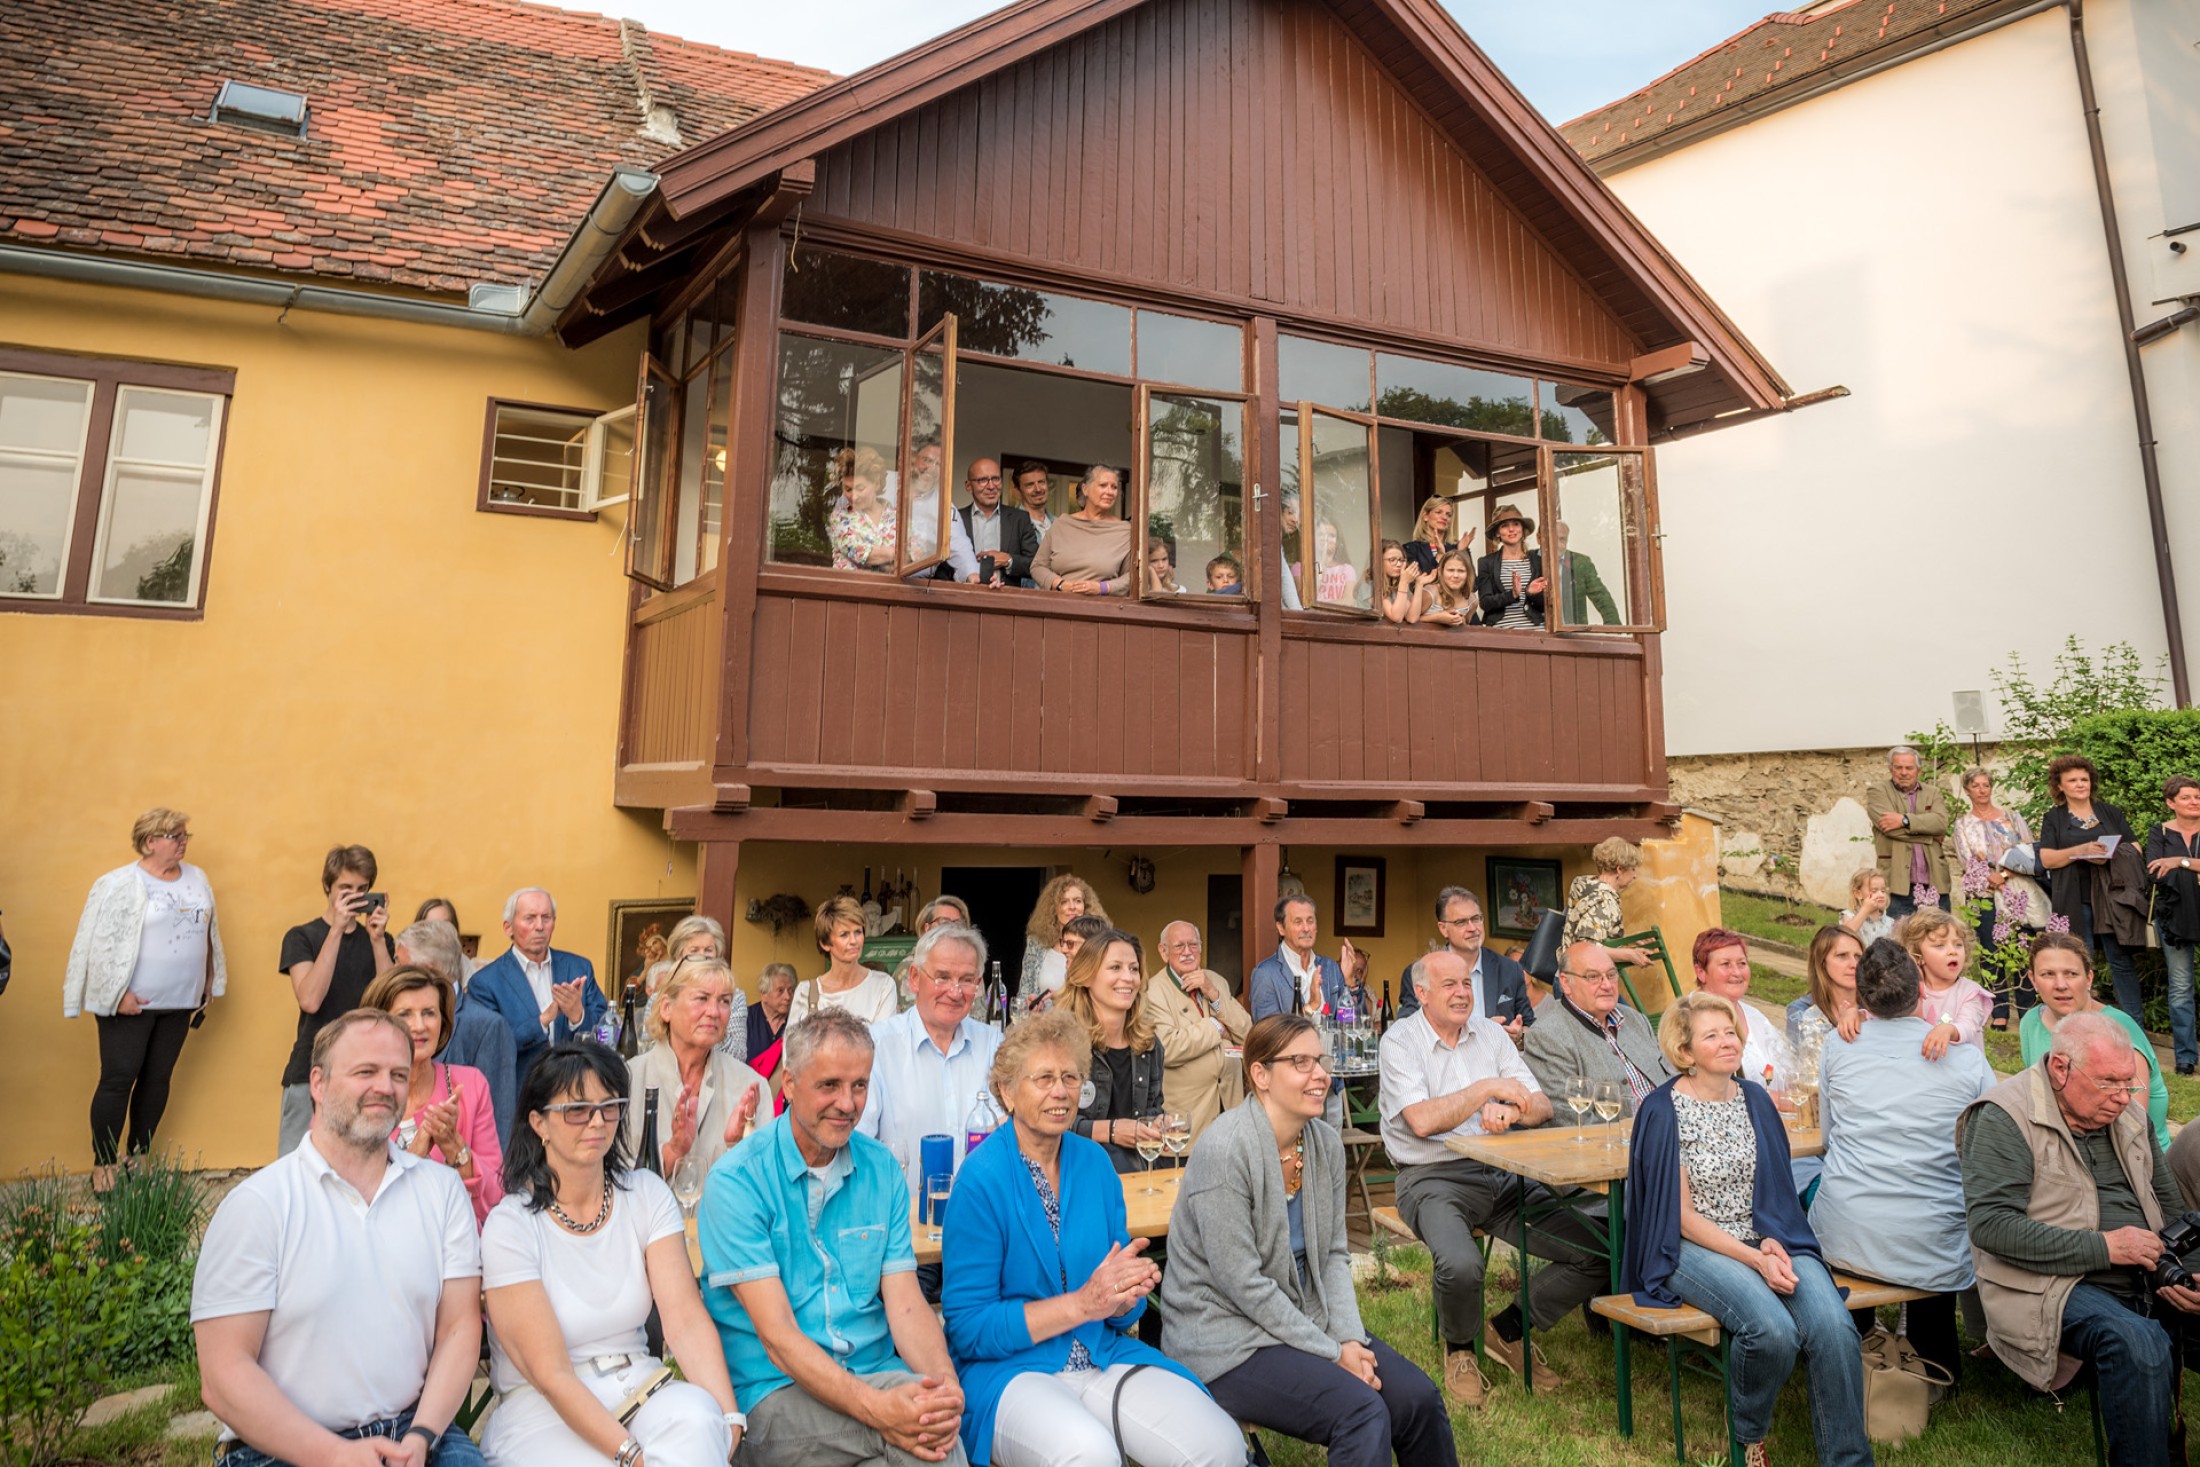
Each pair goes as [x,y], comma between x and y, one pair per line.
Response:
[1769,917]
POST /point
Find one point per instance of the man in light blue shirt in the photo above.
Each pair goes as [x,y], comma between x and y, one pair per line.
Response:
[804,1229]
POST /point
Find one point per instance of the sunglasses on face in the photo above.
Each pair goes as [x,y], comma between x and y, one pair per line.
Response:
[581,1112]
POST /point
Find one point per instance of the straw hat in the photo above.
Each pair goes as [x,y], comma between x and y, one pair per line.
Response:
[1510,512]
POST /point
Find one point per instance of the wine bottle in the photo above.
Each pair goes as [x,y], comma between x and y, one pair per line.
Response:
[630,1022]
[1382,1015]
[647,1155]
[996,997]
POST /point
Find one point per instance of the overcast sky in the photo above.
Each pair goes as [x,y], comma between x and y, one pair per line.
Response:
[1568,56]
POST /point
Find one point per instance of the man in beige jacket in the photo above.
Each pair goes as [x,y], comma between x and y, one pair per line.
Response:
[1909,833]
[1200,1027]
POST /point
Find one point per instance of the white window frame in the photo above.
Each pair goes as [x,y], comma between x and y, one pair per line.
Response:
[115,464]
[593,497]
[76,478]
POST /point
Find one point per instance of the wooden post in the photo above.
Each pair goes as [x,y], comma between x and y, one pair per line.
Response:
[1263,863]
[717,864]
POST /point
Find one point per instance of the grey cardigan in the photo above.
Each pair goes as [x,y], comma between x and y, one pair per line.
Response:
[1231,1286]
[1561,1046]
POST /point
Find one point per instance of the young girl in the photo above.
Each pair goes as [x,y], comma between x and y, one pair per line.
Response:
[1956,1007]
[1445,598]
[1867,916]
[1396,579]
[1335,581]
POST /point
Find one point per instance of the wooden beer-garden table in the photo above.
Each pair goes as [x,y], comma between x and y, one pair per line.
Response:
[1579,1165]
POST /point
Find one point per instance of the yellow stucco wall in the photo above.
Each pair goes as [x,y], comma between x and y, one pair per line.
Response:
[379,662]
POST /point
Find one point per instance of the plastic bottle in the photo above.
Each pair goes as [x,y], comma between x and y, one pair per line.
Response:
[984,1119]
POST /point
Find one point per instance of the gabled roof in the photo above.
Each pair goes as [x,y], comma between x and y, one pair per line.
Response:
[447,142]
[1786,56]
[1457,85]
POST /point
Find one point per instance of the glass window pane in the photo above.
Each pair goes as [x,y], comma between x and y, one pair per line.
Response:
[1452,396]
[1284,564]
[37,503]
[928,508]
[616,475]
[1195,497]
[166,427]
[847,291]
[1343,493]
[1322,371]
[694,438]
[151,535]
[1189,351]
[1590,543]
[834,398]
[537,458]
[715,449]
[1029,325]
[1577,414]
[44,413]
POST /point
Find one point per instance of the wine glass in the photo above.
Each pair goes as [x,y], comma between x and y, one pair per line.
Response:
[1149,1148]
[687,1185]
[1607,1102]
[1579,1097]
[1176,1134]
[937,1187]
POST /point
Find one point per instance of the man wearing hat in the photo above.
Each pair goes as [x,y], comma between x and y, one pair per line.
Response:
[1509,582]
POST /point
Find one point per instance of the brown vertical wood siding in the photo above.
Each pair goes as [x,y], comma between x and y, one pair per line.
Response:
[674,653]
[1246,148]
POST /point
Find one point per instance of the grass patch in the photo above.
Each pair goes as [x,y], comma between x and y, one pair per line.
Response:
[1993,1420]
[1770,917]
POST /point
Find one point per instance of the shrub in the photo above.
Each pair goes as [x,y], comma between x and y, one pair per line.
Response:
[2135,752]
[65,1314]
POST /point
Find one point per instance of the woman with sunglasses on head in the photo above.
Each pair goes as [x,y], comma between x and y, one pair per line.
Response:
[1258,1294]
[706,1099]
[573,1260]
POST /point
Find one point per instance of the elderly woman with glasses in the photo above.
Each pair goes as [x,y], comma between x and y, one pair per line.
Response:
[573,1260]
[1044,1286]
[147,955]
[706,1099]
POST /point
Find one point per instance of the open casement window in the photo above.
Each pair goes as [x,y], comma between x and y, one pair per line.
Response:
[1188,494]
[928,449]
[648,516]
[1597,548]
[607,459]
[1332,552]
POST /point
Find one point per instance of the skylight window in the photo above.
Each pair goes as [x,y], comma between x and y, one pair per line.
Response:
[265,108]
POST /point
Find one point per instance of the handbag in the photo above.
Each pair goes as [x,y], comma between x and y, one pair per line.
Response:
[1899,1387]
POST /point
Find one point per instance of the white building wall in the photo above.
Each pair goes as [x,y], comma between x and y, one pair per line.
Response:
[1930,238]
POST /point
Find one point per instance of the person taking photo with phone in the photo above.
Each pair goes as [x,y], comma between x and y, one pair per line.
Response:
[330,961]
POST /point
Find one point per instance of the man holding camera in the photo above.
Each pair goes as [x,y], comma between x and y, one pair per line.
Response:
[2066,1196]
[330,961]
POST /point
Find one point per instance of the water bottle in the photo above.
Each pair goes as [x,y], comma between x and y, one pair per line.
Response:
[984,1119]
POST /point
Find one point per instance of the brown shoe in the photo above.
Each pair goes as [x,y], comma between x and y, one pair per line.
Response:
[1507,1353]
[1463,1379]
[1755,1454]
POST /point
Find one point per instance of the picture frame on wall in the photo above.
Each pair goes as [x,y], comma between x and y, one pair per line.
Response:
[1363,886]
[1519,886]
[639,931]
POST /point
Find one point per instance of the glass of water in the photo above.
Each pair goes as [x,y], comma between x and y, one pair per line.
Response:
[937,1186]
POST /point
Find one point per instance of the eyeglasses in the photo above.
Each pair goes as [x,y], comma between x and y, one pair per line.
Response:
[1069,1080]
[180,837]
[1302,1064]
[582,1112]
[2127,1091]
[985,478]
[1473,921]
[1601,980]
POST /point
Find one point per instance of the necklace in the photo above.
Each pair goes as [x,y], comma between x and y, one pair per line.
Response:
[571,1224]
[1294,1166]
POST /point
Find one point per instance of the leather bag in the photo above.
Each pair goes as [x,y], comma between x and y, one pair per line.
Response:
[1899,1387]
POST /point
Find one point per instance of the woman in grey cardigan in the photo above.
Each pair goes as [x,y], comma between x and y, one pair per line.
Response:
[1258,1293]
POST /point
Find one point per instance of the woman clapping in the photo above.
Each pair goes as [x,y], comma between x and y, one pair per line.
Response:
[449,1116]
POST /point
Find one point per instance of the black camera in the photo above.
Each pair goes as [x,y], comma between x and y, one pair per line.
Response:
[2179,1238]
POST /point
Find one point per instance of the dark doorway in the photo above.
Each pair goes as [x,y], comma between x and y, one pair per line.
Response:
[1001,899]
[1226,929]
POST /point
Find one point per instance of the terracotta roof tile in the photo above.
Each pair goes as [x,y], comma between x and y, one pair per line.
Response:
[447,141]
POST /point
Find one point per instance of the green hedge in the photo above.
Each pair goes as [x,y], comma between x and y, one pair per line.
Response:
[2135,750]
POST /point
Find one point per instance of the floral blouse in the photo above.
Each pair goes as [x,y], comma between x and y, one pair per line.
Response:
[1987,840]
[1079,1357]
[1719,1151]
[857,537]
[1592,912]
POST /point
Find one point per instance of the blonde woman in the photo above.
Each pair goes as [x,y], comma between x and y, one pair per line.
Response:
[707,1098]
[862,527]
[1106,991]
[845,984]
[1592,902]
[1061,902]
[698,936]
[1431,540]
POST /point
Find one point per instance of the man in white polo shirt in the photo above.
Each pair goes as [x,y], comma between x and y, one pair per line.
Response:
[337,1301]
[1450,1070]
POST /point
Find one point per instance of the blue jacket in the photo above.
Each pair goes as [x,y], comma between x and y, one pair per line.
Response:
[1654,1193]
[999,1255]
[502,989]
[1272,989]
[479,1038]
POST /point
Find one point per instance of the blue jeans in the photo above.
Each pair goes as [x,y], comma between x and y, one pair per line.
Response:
[2177,957]
[2135,1370]
[1767,1331]
[2123,977]
[453,1449]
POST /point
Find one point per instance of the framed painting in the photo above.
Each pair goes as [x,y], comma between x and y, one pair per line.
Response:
[1519,887]
[1362,885]
[639,930]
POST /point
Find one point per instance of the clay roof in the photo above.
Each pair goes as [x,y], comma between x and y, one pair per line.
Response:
[1786,53]
[448,142]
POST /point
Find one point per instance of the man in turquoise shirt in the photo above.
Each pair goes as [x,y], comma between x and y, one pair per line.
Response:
[812,1276]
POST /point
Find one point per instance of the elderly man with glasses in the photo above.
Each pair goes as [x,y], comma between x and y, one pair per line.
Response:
[1589,1032]
[1501,983]
[1201,1029]
[2066,1194]
[1002,535]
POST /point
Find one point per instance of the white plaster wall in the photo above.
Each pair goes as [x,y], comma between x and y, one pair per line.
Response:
[1929,238]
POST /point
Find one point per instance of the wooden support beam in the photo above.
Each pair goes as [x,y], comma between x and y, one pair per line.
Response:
[1268,810]
[1261,864]
[918,804]
[729,798]
[1663,814]
[1098,807]
[717,865]
[1535,812]
[1405,812]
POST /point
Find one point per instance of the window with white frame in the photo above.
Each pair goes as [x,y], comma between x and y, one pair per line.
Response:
[568,462]
[107,482]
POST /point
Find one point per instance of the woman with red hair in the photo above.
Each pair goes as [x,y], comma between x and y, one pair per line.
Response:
[1722,967]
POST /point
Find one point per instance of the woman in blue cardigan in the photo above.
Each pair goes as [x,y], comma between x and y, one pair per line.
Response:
[1044,1285]
[1713,1221]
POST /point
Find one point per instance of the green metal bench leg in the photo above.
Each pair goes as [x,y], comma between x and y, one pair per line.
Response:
[1673,1348]
[1623,1379]
[471,1409]
[2100,1436]
[1726,1395]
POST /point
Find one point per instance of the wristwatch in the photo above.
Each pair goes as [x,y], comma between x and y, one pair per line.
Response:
[428,1438]
[738,1420]
[462,1156]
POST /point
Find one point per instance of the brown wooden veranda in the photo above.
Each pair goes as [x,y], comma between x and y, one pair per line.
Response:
[1315,176]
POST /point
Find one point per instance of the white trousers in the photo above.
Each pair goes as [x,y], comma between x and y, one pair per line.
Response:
[680,1426]
[1063,1421]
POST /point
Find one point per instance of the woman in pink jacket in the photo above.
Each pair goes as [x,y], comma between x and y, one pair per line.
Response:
[447,1113]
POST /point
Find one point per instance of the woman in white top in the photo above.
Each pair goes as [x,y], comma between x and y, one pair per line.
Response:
[865,992]
[572,1260]
[147,955]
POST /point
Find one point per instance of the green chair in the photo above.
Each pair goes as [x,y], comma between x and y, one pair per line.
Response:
[1653,940]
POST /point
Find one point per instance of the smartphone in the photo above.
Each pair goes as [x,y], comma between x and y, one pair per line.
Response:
[368,901]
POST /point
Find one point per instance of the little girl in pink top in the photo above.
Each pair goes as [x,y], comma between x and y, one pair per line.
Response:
[1956,1007]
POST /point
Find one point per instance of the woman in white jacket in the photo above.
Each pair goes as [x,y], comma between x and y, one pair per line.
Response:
[147,955]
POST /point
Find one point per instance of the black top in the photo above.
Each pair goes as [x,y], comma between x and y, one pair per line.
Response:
[1424,555]
[346,986]
[761,1034]
[2070,887]
[2176,895]
[1126,1086]
[1496,596]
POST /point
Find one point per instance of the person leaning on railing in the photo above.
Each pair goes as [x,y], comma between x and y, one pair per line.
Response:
[1397,583]
[1443,597]
[1509,580]
[1431,539]
[861,524]
[1088,553]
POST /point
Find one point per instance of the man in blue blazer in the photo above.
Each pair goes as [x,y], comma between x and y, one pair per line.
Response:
[546,997]
[1500,984]
[1280,984]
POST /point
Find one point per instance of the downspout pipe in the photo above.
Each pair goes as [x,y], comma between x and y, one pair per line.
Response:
[2150,468]
[584,253]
